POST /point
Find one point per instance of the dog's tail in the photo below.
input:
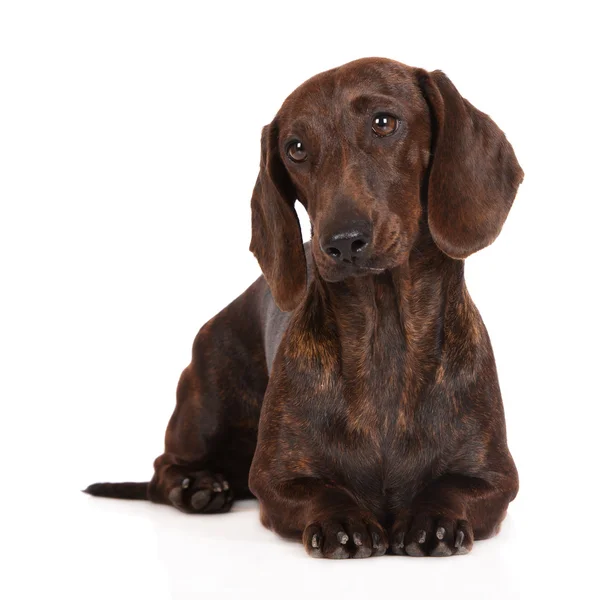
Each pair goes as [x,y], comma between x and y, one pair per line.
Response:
[126,491]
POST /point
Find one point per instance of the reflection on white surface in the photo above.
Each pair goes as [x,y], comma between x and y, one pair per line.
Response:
[102,548]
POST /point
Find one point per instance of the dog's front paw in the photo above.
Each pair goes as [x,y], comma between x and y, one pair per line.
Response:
[427,535]
[201,492]
[349,536]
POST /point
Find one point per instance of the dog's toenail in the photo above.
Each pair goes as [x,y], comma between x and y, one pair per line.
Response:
[460,536]
[225,486]
[217,487]
[439,534]
[357,538]
[185,484]
[315,541]
[342,537]
[422,536]
[401,540]
[376,539]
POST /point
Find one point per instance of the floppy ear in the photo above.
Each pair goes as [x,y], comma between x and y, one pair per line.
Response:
[474,173]
[276,236]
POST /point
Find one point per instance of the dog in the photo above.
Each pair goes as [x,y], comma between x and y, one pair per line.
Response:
[352,388]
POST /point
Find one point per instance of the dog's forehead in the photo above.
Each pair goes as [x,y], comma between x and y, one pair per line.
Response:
[335,89]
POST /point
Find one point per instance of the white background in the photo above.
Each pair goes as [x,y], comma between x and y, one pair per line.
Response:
[129,146]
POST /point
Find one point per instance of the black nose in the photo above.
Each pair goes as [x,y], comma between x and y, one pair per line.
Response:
[350,246]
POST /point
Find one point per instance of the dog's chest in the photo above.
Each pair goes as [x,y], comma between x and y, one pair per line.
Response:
[362,407]
[377,431]
[378,441]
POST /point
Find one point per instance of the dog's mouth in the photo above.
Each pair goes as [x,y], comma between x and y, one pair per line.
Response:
[336,273]
[371,269]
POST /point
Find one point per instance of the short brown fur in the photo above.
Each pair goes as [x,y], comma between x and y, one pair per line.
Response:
[355,394]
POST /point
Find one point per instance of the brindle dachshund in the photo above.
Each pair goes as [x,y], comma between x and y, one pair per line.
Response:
[353,388]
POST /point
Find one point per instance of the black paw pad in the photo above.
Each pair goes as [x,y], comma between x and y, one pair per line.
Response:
[346,538]
[431,536]
[201,491]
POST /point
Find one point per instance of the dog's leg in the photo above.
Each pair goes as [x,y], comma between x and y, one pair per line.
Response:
[211,437]
[450,513]
[325,517]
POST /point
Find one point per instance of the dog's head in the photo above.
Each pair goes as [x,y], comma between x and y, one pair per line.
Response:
[358,146]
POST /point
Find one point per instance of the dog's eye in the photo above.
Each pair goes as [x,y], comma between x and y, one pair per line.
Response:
[296,151]
[384,125]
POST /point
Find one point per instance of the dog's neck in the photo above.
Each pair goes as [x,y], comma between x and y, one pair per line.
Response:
[412,299]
